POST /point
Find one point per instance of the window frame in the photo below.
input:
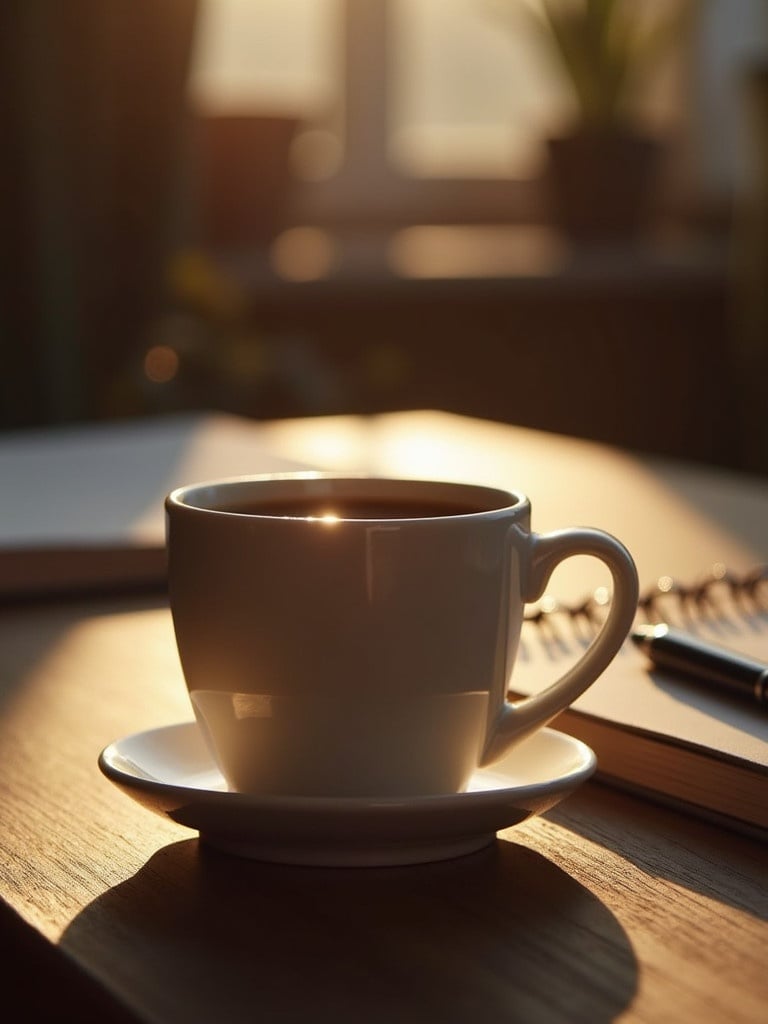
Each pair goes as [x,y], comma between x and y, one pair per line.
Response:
[368,188]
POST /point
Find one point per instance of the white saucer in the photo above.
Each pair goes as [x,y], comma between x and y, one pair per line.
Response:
[170,771]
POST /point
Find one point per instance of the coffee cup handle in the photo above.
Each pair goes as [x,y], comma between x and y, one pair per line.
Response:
[521,718]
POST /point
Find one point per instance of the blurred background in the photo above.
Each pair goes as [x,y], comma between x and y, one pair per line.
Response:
[545,212]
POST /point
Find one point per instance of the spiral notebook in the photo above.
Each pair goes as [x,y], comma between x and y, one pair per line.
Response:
[654,733]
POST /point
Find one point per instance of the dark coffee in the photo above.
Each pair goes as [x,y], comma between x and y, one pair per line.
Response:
[353,508]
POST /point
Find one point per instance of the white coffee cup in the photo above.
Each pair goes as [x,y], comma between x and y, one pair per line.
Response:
[356,636]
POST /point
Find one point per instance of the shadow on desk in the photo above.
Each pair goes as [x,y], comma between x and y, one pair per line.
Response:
[501,935]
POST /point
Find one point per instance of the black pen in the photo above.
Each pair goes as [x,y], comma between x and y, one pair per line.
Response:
[682,653]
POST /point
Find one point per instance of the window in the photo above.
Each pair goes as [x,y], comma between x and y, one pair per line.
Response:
[411,109]
[470,96]
[419,111]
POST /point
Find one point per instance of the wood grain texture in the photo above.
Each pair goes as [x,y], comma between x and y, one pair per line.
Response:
[607,908]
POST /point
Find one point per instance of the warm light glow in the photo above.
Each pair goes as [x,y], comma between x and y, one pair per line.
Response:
[269,55]
[327,517]
[141,641]
[448,251]
[469,98]
[303,254]
[602,596]
[665,584]
[341,443]
[161,364]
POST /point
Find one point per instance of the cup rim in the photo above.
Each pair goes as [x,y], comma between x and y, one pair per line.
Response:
[197,498]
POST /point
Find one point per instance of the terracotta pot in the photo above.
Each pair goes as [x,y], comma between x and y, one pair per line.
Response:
[242,176]
[601,185]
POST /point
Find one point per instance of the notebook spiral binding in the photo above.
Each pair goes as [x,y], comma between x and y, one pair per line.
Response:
[717,594]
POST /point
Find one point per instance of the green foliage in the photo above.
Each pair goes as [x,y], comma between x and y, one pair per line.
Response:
[608,48]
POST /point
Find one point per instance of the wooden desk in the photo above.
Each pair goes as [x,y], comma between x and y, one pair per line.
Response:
[605,908]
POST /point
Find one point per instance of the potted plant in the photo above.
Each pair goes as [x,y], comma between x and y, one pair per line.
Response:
[601,168]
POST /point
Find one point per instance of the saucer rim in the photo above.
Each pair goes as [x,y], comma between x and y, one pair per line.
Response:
[581,772]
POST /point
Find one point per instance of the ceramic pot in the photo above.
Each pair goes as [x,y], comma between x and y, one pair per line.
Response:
[600,185]
[241,176]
